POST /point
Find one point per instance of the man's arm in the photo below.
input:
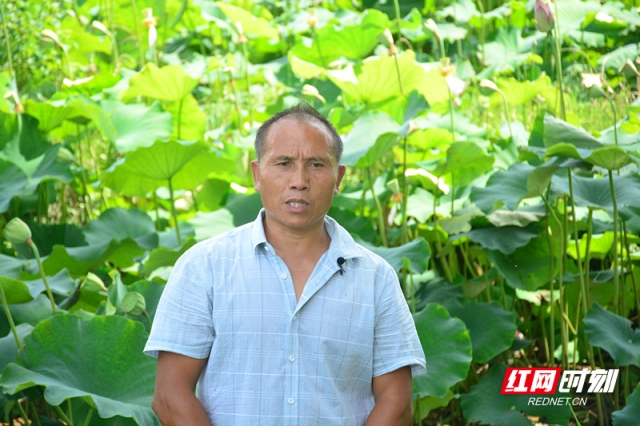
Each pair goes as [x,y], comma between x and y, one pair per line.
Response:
[173,400]
[393,395]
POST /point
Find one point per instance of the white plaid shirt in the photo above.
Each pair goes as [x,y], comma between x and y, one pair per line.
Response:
[274,360]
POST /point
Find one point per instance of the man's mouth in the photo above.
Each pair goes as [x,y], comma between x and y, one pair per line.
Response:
[297,203]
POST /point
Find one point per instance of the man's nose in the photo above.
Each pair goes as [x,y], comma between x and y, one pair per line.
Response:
[300,178]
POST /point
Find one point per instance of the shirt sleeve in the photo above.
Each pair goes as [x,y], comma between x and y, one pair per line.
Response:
[395,341]
[183,320]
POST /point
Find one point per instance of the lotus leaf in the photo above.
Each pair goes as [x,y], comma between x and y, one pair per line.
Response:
[416,251]
[121,381]
[614,334]
[136,125]
[503,188]
[372,135]
[447,349]
[630,414]
[118,224]
[505,239]
[169,83]
[491,328]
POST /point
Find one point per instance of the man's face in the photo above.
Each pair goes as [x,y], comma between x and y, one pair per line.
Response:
[297,175]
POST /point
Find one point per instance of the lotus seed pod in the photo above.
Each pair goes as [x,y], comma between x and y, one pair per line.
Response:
[544,16]
[18,109]
[148,19]
[17,232]
[64,156]
[394,186]
[393,50]
[93,283]
[133,303]
[312,20]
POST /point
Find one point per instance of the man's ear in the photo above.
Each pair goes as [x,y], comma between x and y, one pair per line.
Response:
[255,168]
[341,171]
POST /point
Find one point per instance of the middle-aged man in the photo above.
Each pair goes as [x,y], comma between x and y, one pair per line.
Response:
[286,320]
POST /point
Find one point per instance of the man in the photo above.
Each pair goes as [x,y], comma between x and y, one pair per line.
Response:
[286,321]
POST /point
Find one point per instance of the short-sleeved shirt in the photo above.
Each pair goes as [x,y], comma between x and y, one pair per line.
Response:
[273,360]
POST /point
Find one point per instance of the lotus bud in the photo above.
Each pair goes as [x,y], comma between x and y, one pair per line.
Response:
[64,156]
[148,19]
[133,303]
[152,36]
[488,84]
[544,16]
[93,283]
[309,90]
[242,39]
[431,25]
[393,185]
[17,232]
[312,20]
[393,50]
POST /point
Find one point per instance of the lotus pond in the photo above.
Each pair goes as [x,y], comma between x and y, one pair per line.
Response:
[492,151]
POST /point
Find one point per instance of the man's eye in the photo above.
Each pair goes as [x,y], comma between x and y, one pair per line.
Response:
[317,164]
[284,163]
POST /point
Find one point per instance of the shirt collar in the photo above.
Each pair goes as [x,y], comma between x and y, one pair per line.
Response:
[342,243]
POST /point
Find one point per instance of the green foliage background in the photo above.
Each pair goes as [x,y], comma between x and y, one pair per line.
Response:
[493,165]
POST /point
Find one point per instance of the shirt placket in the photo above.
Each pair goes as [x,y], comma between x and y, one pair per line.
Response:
[291,390]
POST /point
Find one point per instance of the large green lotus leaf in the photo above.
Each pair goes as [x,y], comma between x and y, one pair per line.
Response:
[10,266]
[522,92]
[596,193]
[558,131]
[192,120]
[118,224]
[491,328]
[60,283]
[244,208]
[617,58]
[31,312]
[539,178]
[81,44]
[500,218]
[505,239]
[364,136]
[49,114]
[47,236]
[630,215]
[352,41]
[614,334]
[252,26]
[12,183]
[463,125]
[77,260]
[447,349]
[114,373]
[460,10]
[15,291]
[630,414]
[485,405]
[387,7]
[136,125]
[417,251]
[9,347]
[163,256]
[372,82]
[32,141]
[608,26]
[509,50]
[503,188]
[169,83]
[146,169]
[466,161]
[608,157]
[527,268]
[207,225]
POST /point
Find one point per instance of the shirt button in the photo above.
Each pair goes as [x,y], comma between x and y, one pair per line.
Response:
[266,248]
[290,401]
[283,276]
[292,358]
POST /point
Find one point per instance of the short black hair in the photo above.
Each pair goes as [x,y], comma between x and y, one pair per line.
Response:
[302,110]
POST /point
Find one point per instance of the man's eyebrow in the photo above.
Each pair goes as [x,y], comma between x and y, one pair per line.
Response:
[289,158]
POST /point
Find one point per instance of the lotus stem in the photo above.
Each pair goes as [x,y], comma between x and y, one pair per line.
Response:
[33,246]
[87,203]
[396,6]
[587,258]
[563,298]
[134,8]
[616,295]
[173,212]
[506,112]
[7,40]
[615,119]
[180,119]
[35,413]
[558,58]
[7,312]
[246,76]
[481,34]
[574,220]
[87,421]
[381,225]
[317,43]
[633,275]
[61,414]
[23,413]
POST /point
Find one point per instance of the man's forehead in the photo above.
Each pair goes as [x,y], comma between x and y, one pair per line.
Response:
[298,120]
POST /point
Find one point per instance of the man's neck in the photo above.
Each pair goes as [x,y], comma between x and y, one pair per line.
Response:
[309,241]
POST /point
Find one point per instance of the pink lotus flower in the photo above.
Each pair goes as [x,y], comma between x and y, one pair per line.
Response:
[544,16]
